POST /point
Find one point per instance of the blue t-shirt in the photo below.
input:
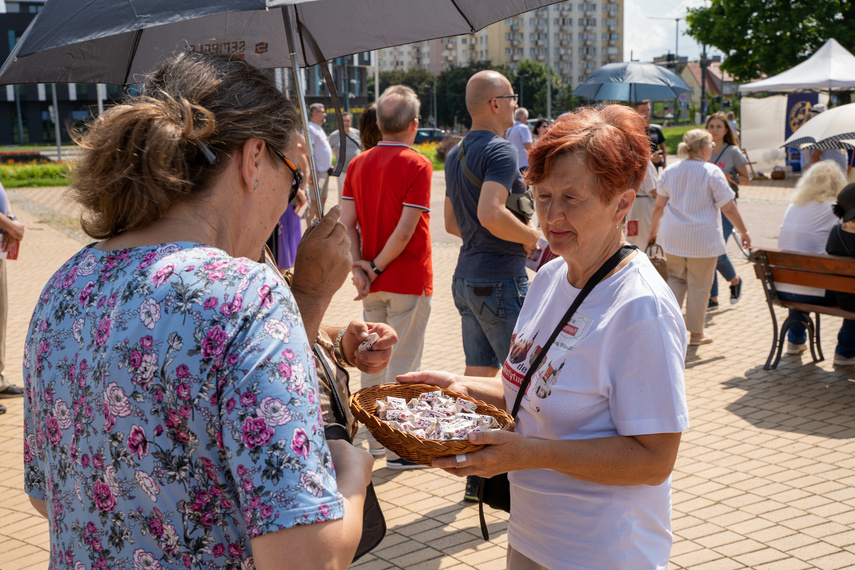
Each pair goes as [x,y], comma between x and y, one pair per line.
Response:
[172,410]
[483,255]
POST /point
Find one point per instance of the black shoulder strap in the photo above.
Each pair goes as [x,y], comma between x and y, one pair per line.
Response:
[724,148]
[604,270]
[467,172]
[335,397]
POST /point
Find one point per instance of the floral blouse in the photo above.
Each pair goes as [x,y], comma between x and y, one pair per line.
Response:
[171,410]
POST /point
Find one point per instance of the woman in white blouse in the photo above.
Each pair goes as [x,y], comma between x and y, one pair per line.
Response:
[691,194]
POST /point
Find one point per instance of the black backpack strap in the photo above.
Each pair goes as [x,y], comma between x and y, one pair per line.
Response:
[467,172]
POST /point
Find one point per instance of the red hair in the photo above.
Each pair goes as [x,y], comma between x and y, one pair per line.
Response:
[613,139]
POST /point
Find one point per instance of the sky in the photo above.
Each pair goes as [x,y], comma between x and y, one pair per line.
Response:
[646,36]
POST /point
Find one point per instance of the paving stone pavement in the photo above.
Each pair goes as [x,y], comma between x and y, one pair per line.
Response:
[765,477]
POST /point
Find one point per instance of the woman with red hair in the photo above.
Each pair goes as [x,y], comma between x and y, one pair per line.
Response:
[602,402]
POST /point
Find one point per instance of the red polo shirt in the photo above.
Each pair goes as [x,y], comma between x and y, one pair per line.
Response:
[382,182]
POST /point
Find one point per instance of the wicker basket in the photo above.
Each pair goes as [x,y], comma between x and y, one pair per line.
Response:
[363,404]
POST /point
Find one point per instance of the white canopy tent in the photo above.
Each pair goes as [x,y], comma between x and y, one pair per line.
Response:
[831,68]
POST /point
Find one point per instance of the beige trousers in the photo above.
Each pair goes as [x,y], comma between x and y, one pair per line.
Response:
[516,561]
[690,280]
[4,313]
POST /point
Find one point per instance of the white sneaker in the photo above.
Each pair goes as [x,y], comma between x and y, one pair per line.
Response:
[843,361]
[796,348]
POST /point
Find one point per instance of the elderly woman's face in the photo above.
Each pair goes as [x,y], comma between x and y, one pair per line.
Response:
[574,220]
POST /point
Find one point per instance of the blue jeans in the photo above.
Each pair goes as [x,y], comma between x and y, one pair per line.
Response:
[797,334]
[488,311]
[723,265]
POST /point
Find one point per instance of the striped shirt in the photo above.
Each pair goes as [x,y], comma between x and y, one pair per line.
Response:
[691,224]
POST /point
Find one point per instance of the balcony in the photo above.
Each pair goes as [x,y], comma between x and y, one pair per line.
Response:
[515,43]
[516,57]
[515,28]
[541,57]
[540,43]
[540,28]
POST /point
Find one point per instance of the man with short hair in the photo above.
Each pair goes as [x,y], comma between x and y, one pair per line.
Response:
[323,156]
[520,136]
[353,146]
[11,232]
[386,209]
[490,281]
[658,152]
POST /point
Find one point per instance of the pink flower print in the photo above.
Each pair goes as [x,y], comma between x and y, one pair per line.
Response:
[219,549]
[147,484]
[212,346]
[312,482]
[241,471]
[266,511]
[211,303]
[274,411]
[104,499]
[230,405]
[83,297]
[155,527]
[207,518]
[97,461]
[28,454]
[69,278]
[234,550]
[183,391]
[248,485]
[163,275]
[254,503]
[256,432]
[135,359]
[285,369]
[182,371]
[216,275]
[324,510]
[277,329]
[147,260]
[232,359]
[147,342]
[102,333]
[247,399]
[138,442]
[243,270]
[112,300]
[84,460]
[147,370]
[116,401]
[54,433]
[149,313]
[300,443]
[145,560]
[265,297]
[62,414]
[311,396]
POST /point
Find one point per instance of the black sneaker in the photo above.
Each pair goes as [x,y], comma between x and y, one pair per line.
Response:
[402,464]
[3,411]
[473,483]
[735,292]
[12,391]
[712,305]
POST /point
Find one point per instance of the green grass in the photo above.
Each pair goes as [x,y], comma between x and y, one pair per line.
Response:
[674,135]
[34,174]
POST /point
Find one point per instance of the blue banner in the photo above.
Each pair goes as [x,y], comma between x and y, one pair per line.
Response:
[798,107]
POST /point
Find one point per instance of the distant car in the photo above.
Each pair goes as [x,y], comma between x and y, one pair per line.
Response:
[429,135]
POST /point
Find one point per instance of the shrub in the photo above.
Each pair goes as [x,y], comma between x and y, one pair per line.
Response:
[14,175]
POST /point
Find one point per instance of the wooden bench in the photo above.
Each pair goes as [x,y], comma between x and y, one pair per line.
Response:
[831,272]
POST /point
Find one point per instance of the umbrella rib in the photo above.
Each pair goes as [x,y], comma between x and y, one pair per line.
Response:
[137,36]
[462,15]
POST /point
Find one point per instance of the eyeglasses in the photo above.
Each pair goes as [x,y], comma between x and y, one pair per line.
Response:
[515,97]
[295,172]
[418,118]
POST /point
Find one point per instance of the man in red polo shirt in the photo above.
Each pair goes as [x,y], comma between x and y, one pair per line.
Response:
[386,209]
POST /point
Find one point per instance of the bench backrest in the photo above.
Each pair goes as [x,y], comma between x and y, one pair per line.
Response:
[810,270]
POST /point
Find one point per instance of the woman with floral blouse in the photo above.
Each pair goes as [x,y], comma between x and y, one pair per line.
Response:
[172,416]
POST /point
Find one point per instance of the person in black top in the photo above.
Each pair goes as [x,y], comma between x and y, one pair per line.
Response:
[841,241]
[658,153]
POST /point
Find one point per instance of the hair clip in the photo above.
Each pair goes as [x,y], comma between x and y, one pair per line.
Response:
[203,148]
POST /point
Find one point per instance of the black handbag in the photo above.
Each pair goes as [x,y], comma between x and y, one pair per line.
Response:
[495,492]
[373,521]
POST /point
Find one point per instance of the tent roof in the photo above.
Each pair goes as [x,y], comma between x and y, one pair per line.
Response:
[832,67]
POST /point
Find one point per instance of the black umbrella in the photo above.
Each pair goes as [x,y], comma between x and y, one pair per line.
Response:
[117,41]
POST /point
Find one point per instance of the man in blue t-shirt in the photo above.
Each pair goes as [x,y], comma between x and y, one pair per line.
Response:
[490,281]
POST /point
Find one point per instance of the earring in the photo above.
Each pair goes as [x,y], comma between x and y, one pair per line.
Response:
[255,184]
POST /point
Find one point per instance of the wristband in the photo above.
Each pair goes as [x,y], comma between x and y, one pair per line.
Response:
[338,350]
[374,268]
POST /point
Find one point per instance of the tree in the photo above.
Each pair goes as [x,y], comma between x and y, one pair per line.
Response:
[419,80]
[771,36]
[451,92]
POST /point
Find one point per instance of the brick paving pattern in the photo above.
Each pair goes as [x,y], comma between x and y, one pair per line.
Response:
[765,477]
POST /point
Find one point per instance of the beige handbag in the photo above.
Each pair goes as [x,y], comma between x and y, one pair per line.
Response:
[657,257]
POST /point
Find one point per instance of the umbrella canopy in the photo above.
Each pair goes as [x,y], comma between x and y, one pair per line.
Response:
[831,67]
[116,41]
[631,81]
[831,129]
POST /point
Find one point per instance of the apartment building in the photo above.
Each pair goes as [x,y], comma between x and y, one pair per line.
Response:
[575,37]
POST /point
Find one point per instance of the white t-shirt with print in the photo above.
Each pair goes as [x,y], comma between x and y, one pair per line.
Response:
[616,369]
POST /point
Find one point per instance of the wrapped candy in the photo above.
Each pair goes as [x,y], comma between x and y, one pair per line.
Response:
[433,415]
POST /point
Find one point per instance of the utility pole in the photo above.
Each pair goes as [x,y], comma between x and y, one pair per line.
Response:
[676,54]
[703,83]
[548,65]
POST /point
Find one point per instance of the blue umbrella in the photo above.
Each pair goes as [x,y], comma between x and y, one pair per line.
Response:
[631,81]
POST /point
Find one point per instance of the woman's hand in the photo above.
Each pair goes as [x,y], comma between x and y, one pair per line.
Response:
[505,451]
[437,378]
[377,357]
